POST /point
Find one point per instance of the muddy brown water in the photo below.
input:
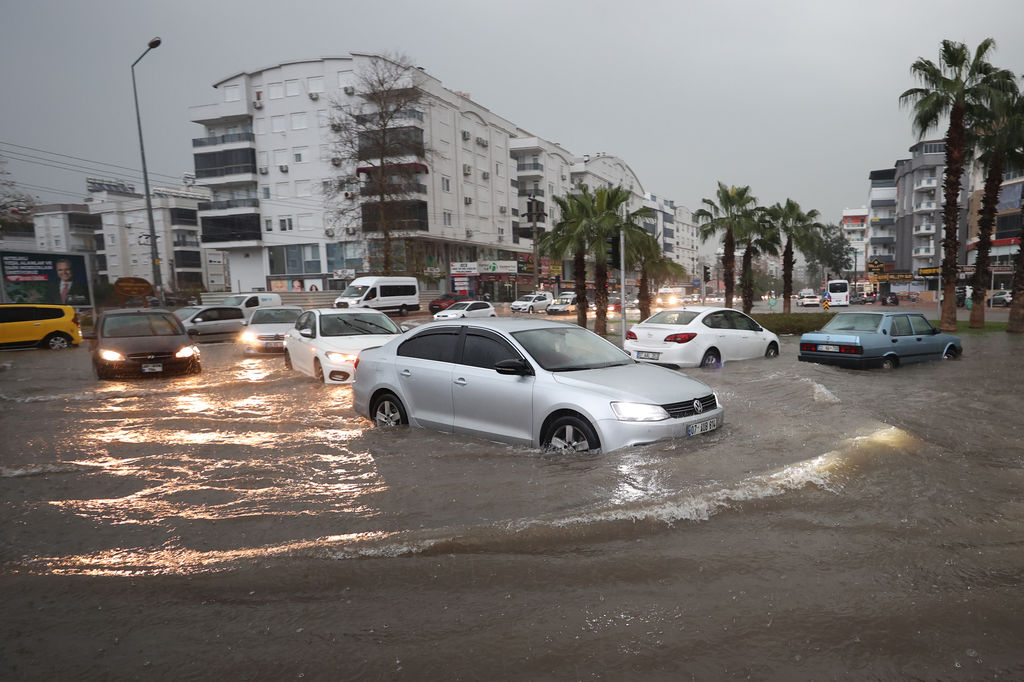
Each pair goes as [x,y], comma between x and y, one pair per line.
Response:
[246,524]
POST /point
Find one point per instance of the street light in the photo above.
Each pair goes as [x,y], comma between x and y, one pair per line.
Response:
[154,253]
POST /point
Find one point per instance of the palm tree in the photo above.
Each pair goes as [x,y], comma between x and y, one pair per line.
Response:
[953,87]
[734,209]
[609,219]
[573,233]
[997,135]
[758,236]
[799,229]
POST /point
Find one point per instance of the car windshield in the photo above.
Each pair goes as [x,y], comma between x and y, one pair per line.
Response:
[188,311]
[143,324]
[355,291]
[672,317]
[275,316]
[853,322]
[570,348]
[355,324]
[462,305]
[525,298]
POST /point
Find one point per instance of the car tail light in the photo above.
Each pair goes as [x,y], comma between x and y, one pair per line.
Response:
[810,347]
[74,319]
[631,335]
[851,350]
[680,338]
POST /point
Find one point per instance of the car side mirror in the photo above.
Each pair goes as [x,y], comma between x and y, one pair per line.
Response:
[198,319]
[306,332]
[404,327]
[513,366]
[934,331]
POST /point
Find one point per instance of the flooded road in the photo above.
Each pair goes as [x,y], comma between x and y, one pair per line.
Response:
[245,523]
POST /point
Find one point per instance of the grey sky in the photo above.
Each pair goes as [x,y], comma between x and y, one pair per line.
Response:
[794,98]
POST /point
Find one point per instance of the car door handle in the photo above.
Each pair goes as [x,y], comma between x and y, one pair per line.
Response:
[461,381]
[895,340]
[405,373]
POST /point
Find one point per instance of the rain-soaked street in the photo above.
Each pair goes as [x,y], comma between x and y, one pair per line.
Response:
[246,524]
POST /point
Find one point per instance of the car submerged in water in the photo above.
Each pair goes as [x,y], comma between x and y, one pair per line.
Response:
[882,339]
[523,381]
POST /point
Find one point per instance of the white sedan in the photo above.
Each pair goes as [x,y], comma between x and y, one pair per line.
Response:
[462,309]
[699,336]
[326,341]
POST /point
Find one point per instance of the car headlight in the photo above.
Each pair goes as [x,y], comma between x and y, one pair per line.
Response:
[248,337]
[334,356]
[111,355]
[638,412]
[187,352]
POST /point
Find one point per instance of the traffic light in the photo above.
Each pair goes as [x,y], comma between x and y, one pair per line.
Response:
[707,273]
[611,250]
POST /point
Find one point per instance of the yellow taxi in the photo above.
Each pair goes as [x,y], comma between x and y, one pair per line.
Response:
[29,325]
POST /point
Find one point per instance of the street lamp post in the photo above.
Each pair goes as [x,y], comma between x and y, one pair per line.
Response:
[154,252]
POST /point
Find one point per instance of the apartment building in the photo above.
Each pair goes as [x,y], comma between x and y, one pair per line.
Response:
[855,229]
[918,225]
[1007,232]
[881,235]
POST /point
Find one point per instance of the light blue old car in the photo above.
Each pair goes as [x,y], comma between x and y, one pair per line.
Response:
[883,339]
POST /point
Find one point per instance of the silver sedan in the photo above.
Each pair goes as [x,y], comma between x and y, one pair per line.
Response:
[537,383]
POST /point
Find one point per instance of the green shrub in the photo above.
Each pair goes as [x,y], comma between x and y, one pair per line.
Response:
[792,323]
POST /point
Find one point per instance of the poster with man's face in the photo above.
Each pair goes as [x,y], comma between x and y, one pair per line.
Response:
[44,278]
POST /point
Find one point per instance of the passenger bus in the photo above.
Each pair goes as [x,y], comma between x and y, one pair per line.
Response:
[839,291]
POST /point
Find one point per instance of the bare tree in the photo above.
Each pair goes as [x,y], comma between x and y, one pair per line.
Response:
[15,206]
[380,153]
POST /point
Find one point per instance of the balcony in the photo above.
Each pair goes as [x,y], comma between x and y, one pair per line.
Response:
[530,168]
[925,184]
[924,251]
[526,192]
[925,206]
[223,139]
[924,229]
[229,203]
[883,222]
[882,241]
[882,257]
[882,203]
[392,190]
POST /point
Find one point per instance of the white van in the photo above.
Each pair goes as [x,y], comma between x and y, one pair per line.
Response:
[838,291]
[387,294]
[249,302]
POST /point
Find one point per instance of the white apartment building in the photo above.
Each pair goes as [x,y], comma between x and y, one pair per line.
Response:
[855,229]
[881,233]
[918,228]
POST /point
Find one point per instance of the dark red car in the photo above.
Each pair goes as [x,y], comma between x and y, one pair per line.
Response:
[439,304]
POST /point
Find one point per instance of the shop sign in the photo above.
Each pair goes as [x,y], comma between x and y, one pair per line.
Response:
[463,268]
[497,267]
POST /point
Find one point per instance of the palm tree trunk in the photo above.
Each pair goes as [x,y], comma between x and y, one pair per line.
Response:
[747,281]
[644,295]
[579,272]
[601,298]
[787,275]
[1015,323]
[729,265]
[986,221]
[951,217]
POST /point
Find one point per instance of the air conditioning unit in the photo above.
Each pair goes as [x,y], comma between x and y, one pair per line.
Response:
[350,230]
[467,200]
[465,134]
[469,234]
[349,90]
[283,168]
[336,161]
[264,170]
[564,178]
[467,169]
[481,141]
[257,104]
[503,209]
[336,127]
[348,195]
[314,96]
[486,175]
[329,231]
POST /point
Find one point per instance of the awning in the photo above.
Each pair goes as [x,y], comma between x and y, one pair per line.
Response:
[408,167]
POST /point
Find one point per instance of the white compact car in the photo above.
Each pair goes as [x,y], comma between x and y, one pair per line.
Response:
[325,342]
[699,336]
[461,309]
[533,382]
[265,330]
[535,302]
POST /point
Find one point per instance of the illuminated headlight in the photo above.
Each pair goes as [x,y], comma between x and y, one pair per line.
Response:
[341,357]
[639,412]
[187,352]
[248,337]
[111,355]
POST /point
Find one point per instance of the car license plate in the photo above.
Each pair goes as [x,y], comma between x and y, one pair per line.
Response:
[825,347]
[702,427]
[275,345]
[153,367]
[647,355]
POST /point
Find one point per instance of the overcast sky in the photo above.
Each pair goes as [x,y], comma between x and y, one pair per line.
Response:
[797,99]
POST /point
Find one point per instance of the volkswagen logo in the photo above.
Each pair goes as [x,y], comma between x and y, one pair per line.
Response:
[698,406]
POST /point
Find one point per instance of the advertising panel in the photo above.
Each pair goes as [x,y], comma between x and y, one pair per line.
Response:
[44,278]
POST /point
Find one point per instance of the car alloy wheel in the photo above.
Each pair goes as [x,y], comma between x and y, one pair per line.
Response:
[388,411]
[318,371]
[889,363]
[57,342]
[570,434]
[711,359]
[773,351]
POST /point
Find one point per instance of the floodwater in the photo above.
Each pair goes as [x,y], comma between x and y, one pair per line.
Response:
[246,524]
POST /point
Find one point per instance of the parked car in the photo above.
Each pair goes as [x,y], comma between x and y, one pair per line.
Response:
[24,325]
[212,322]
[539,383]
[445,300]
[889,299]
[699,336]
[858,299]
[563,305]
[1003,297]
[882,339]
[265,330]
[142,342]
[537,301]
[461,309]
[324,342]
[808,300]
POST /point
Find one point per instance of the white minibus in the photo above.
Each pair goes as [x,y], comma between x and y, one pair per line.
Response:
[839,291]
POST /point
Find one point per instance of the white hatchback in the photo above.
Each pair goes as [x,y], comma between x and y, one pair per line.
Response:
[699,336]
[461,309]
[325,342]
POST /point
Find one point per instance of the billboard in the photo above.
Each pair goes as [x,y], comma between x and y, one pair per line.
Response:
[44,278]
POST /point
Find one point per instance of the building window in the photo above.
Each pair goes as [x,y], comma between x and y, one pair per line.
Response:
[302,189]
[231,93]
[262,159]
[299,121]
[265,191]
[268,224]
[277,124]
[285,224]
[315,83]
[275,91]
[305,221]
[260,125]
[291,87]
[300,154]
[446,184]
[497,169]
[448,218]
[281,190]
[280,157]
[322,119]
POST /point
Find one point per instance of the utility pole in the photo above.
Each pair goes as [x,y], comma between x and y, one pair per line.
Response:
[536,245]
